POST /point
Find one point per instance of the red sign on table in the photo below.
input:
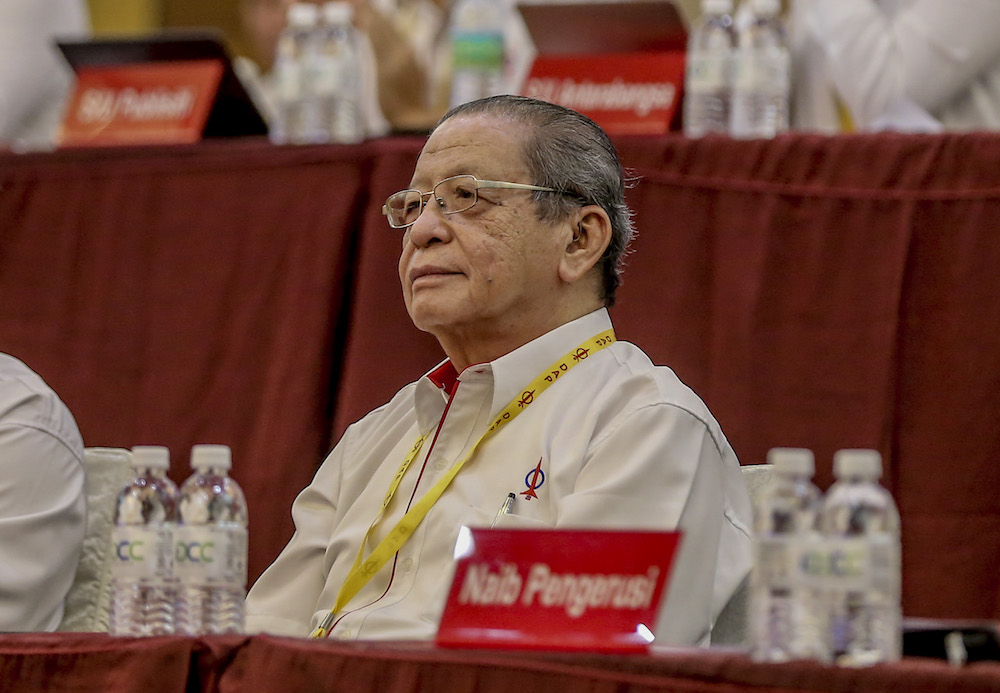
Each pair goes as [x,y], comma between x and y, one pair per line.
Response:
[624,93]
[150,103]
[557,589]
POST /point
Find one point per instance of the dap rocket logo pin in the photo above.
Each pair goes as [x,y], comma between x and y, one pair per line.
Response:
[533,480]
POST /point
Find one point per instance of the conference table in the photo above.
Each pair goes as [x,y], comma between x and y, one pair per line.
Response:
[59,662]
[823,292]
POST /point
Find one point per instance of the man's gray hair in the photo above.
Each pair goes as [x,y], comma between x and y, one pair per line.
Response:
[568,151]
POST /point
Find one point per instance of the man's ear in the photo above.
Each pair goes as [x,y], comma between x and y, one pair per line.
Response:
[591,236]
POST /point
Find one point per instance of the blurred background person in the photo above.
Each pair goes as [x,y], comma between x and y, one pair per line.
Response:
[394,83]
[912,65]
[34,78]
[42,501]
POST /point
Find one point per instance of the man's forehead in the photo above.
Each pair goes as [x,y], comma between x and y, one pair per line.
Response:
[483,148]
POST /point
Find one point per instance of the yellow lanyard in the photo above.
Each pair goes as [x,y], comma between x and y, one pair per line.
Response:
[363,570]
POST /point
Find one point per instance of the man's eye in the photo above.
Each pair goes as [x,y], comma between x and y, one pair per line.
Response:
[462,193]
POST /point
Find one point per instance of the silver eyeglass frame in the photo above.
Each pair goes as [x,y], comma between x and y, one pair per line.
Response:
[478,184]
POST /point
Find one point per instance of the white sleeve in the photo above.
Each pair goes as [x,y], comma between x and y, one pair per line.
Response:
[927,52]
[42,523]
[33,75]
[283,599]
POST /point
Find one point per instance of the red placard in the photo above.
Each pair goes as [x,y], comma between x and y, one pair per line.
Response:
[624,93]
[150,103]
[557,589]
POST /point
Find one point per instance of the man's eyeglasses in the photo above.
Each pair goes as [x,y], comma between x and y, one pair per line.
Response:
[452,195]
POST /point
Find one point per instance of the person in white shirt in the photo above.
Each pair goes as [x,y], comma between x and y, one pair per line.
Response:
[34,78]
[512,243]
[911,65]
[42,501]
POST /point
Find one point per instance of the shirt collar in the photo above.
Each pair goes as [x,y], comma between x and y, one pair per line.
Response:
[514,371]
[445,377]
[510,373]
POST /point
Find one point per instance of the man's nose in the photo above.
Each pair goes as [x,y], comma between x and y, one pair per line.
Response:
[431,226]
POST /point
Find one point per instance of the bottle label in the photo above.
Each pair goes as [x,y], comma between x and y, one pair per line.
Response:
[851,564]
[211,555]
[140,552]
[776,561]
[289,81]
[762,70]
[477,51]
[707,72]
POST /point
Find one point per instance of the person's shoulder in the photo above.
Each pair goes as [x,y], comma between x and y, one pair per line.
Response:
[660,384]
[19,384]
[27,400]
[636,383]
[379,421]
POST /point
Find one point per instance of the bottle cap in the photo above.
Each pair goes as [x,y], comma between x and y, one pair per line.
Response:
[765,8]
[302,14]
[797,461]
[338,13]
[857,462]
[208,456]
[151,456]
[716,6]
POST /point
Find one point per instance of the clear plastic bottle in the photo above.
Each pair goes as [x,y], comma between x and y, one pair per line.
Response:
[860,525]
[476,29]
[335,114]
[211,546]
[708,68]
[785,620]
[292,83]
[142,576]
[761,74]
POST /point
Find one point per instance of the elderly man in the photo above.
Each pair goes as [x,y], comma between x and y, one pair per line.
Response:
[512,237]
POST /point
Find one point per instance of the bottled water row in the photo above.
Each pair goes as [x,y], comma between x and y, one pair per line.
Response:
[826,578]
[179,555]
[318,77]
[737,75]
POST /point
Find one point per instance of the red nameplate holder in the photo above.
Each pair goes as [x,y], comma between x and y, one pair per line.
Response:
[624,93]
[557,589]
[149,103]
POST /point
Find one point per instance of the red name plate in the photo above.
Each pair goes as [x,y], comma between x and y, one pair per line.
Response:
[151,103]
[624,93]
[557,589]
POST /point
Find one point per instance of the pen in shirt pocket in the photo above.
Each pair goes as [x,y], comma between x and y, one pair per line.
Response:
[504,508]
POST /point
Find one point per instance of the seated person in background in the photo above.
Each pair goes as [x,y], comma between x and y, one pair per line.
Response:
[394,83]
[915,65]
[425,26]
[42,501]
[512,240]
[34,77]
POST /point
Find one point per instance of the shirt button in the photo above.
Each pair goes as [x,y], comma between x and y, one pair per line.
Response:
[344,634]
[407,565]
[440,464]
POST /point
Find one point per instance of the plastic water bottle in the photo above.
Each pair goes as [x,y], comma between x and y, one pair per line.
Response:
[707,73]
[761,74]
[477,29]
[334,113]
[142,576]
[211,546]
[291,67]
[786,618]
[861,528]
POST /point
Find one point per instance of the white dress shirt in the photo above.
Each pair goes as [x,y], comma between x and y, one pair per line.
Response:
[42,502]
[917,65]
[34,77]
[622,444]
